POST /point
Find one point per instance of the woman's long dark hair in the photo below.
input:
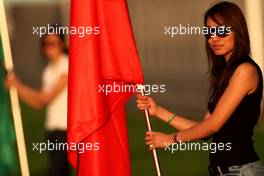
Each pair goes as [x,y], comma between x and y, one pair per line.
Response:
[229,14]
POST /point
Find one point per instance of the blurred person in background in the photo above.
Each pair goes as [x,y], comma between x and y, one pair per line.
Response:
[53,94]
[235,97]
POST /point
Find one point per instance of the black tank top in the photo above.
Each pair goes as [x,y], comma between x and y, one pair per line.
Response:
[238,131]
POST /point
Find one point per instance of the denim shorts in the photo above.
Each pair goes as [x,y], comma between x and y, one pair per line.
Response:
[250,169]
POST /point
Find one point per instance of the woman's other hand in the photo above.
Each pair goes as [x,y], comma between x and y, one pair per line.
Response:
[146,102]
[12,80]
[158,140]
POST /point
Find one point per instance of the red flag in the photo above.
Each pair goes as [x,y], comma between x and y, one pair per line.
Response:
[108,57]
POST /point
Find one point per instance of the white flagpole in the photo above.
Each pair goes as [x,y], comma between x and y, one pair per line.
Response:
[155,158]
[254,14]
[13,94]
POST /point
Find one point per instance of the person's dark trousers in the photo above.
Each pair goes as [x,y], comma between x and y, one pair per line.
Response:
[58,165]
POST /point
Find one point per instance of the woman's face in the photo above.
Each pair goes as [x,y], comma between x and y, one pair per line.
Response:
[221,46]
[53,46]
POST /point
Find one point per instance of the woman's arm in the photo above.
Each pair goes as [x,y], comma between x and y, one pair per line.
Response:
[179,122]
[35,98]
[244,81]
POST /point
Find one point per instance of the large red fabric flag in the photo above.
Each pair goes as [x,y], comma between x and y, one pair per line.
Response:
[106,58]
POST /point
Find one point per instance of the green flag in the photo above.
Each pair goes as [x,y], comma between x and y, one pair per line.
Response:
[8,157]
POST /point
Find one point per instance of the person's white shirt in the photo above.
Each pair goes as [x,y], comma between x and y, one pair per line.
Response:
[56,118]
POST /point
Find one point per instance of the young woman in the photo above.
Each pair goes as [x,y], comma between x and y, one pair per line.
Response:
[235,98]
[53,94]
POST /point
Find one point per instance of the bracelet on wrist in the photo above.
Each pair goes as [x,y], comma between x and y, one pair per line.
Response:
[171,118]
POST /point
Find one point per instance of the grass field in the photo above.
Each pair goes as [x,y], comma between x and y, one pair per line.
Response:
[187,163]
